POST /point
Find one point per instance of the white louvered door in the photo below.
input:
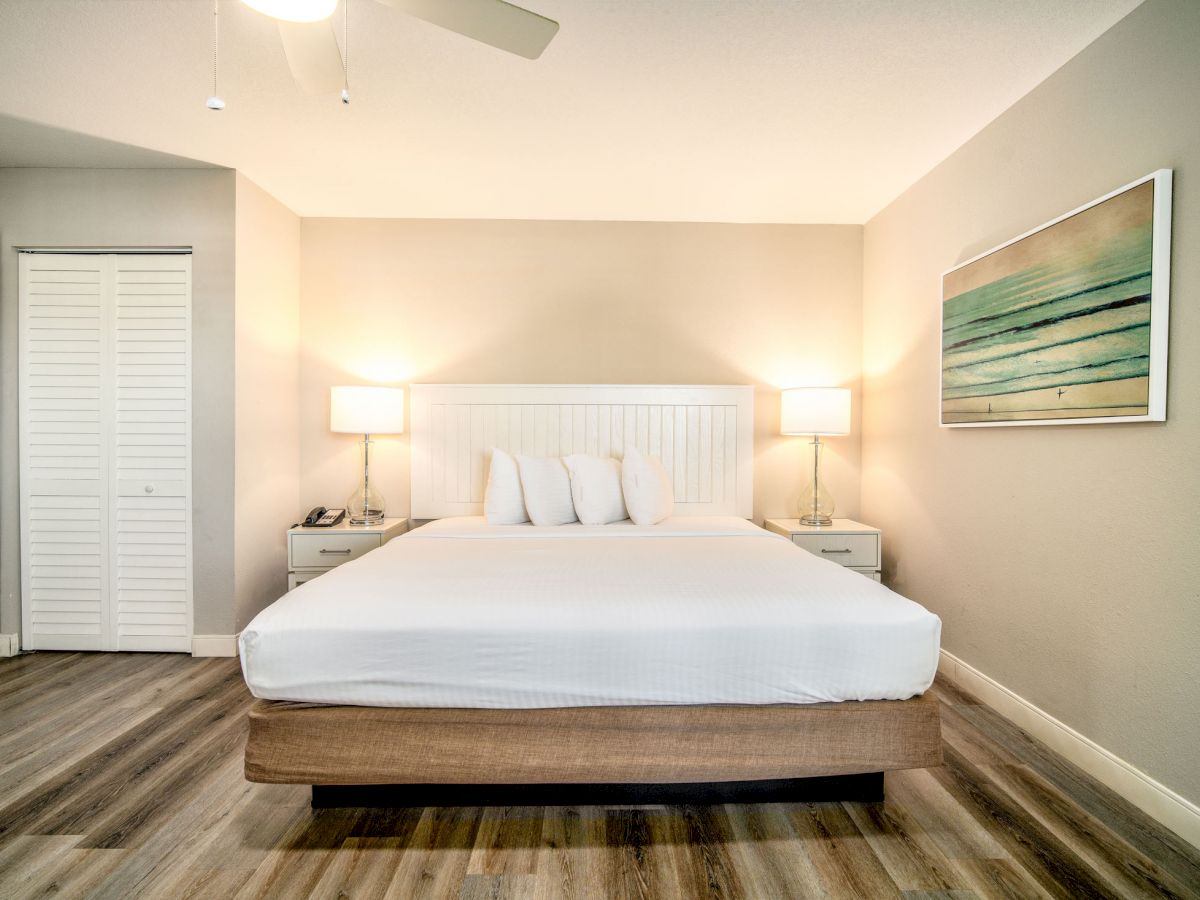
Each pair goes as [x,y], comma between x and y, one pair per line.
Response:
[64,468]
[151,452]
[105,451]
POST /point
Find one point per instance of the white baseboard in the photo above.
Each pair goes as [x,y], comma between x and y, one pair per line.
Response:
[214,645]
[1156,800]
[10,644]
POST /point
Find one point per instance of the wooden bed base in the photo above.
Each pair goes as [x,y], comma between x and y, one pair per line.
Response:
[405,756]
[864,788]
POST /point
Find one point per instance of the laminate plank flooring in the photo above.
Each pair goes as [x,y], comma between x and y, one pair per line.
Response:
[121,776]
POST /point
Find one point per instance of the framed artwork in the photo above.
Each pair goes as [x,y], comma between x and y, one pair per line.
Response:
[1066,324]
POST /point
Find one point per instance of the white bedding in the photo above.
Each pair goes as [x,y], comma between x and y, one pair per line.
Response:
[692,610]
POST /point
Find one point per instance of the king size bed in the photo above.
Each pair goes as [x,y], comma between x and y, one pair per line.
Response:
[700,657]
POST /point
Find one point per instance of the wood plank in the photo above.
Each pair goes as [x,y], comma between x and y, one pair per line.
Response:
[26,860]
[67,802]
[767,853]
[628,837]
[1135,827]
[1051,862]
[572,861]
[912,859]
[950,824]
[361,867]
[435,861]
[845,861]
[507,841]
[1125,868]
[76,873]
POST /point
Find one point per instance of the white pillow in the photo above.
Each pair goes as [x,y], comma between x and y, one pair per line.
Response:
[647,486]
[547,489]
[596,489]
[503,502]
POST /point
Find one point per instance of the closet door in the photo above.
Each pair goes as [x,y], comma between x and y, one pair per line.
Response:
[64,436]
[151,453]
[105,451]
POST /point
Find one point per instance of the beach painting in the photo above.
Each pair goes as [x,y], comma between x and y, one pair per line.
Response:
[1066,324]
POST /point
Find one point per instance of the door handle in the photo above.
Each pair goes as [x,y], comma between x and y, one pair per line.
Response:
[346,552]
[827,550]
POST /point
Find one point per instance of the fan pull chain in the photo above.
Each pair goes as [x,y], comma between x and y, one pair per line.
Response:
[346,52]
[215,102]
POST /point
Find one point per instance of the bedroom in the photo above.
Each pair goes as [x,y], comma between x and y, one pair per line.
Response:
[757,198]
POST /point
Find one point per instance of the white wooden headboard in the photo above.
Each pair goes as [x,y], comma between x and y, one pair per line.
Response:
[703,435]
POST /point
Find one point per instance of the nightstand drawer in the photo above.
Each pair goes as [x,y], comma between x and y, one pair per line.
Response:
[328,550]
[844,549]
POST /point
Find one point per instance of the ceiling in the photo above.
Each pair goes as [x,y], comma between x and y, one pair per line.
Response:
[675,110]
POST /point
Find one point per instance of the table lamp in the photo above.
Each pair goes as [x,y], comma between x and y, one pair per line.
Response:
[815,411]
[366,410]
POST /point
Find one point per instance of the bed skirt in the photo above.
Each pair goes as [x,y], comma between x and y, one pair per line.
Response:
[305,743]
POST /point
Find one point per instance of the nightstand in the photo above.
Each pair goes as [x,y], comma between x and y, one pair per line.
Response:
[314,551]
[856,546]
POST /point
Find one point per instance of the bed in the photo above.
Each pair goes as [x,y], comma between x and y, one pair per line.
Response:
[702,657]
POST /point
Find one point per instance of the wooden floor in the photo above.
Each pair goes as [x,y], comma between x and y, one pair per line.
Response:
[121,776]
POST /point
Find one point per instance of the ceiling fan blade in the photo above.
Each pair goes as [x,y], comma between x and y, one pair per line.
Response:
[492,22]
[313,55]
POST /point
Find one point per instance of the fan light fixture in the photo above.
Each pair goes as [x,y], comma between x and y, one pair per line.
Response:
[294,10]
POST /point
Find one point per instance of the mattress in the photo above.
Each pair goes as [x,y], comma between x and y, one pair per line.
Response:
[458,613]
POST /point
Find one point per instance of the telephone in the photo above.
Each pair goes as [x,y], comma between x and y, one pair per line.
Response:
[320,517]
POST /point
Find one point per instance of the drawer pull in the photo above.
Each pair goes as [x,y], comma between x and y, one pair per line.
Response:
[823,550]
[342,552]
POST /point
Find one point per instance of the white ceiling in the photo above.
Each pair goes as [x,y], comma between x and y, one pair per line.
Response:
[687,110]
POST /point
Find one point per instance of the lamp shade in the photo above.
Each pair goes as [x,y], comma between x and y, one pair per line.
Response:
[357,409]
[815,411]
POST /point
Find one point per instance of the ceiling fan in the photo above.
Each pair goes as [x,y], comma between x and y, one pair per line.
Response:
[316,62]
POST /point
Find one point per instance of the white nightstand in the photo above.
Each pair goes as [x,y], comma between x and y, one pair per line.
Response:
[854,545]
[314,551]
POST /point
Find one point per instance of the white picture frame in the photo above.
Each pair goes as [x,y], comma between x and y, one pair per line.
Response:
[960,403]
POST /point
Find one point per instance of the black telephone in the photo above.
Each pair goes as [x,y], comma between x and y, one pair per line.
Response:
[320,517]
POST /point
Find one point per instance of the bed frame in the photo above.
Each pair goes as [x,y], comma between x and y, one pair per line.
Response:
[365,756]
[369,756]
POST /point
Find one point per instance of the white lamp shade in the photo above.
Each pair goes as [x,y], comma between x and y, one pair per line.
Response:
[356,409]
[294,10]
[815,411]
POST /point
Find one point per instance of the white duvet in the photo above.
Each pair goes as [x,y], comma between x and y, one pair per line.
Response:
[692,610]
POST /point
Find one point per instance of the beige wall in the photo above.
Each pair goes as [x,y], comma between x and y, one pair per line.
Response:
[132,208]
[1062,560]
[407,301]
[267,452]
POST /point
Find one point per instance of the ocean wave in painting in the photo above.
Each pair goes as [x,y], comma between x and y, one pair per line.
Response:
[1056,325]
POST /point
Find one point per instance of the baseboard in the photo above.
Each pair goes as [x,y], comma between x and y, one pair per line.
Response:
[1156,800]
[10,645]
[214,645]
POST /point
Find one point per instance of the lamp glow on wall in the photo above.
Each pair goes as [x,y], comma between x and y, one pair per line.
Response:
[358,409]
[820,412]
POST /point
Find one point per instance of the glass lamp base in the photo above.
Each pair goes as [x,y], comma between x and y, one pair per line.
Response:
[368,513]
[816,520]
[816,503]
[366,505]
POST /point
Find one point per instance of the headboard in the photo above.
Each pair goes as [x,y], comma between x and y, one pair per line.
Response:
[703,435]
